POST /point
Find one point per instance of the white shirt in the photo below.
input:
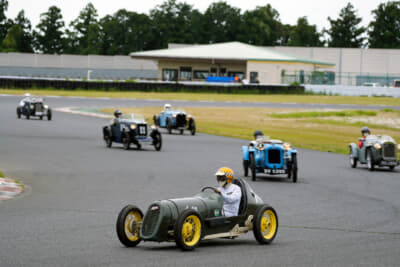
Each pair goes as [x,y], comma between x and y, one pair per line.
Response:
[231,197]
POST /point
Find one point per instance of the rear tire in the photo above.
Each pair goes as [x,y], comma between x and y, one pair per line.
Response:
[181,131]
[188,230]
[246,168]
[252,163]
[265,224]
[128,225]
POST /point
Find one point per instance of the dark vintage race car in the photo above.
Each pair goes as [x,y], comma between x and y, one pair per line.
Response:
[33,106]
[271,157]
[175,119]
[375,151]
[187,221]
[131,129]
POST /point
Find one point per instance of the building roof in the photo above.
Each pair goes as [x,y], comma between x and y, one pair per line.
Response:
[231,51]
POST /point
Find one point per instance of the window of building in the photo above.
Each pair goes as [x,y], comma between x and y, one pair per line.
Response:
[236,74]
[186,74]
[222,72]
[213,72]
[200,74]
[169,75]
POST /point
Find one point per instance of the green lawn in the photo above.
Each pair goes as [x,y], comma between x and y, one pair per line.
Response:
[389,101]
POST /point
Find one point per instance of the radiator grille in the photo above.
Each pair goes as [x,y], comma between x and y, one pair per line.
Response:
[274,156]
[389,150]
[38,107]
[150,220]
[180,120]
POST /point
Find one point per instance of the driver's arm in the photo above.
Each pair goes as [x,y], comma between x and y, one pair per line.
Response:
[232,196]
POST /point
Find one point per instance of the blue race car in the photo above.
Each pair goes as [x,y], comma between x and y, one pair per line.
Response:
[270,157]
[131,129]
[175,119]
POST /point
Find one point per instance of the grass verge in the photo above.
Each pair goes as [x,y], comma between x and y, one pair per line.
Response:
[333,135]
[304,99]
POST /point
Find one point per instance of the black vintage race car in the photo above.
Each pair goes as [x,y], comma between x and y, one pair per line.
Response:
[131,129]
[187,221]
[33,106]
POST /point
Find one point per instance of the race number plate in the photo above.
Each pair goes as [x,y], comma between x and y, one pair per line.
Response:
[274,171]
[142,130]
[38,113]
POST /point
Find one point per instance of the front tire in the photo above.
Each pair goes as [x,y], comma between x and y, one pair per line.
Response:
[181,131]
[352,160]
[265,224]
[19,113]
[128,225]
[370,160]
[246,168]
[49,115]
[169,126]
[188,230]
[126,141]
[252,162]
[294,168]
[107,138]
[158,141]
[192,127]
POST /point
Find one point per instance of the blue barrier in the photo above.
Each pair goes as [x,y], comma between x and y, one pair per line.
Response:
[214,79]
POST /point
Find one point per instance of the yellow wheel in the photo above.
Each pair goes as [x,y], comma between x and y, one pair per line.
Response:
[128,225]
[265,224]
[188,230]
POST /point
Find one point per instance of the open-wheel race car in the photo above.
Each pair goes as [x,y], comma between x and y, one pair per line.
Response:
[33,106]
[131,129]
[187,221]
[175,119]
[271,157]
[375,151]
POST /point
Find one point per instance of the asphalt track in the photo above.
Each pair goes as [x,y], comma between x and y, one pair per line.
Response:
[334,215]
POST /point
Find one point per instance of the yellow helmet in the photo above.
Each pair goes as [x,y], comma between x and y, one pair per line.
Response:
[225,172]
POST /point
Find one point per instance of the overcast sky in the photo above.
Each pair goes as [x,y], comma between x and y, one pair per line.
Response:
[289,10]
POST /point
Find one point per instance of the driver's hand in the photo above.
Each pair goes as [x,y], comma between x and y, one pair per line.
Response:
[216,190]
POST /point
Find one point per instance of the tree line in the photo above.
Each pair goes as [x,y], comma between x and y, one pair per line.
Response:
[178,22]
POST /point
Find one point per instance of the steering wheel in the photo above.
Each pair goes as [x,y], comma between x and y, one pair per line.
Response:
[208,187]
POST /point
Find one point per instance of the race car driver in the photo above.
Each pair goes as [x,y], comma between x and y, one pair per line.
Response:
[117,115]
[230,193]
[364,132]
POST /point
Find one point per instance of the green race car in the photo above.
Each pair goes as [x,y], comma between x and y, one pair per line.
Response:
[187,221]
[375,151]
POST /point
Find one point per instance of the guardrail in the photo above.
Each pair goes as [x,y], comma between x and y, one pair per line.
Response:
[147,86]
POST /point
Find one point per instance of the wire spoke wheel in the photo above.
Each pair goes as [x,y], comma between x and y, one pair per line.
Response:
[265,225]
[188,230]
[128,225]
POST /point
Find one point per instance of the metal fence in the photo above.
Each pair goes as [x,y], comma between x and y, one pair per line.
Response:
[346,78]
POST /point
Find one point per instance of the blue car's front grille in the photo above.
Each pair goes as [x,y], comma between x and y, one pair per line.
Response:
[180,120]
[274,156]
